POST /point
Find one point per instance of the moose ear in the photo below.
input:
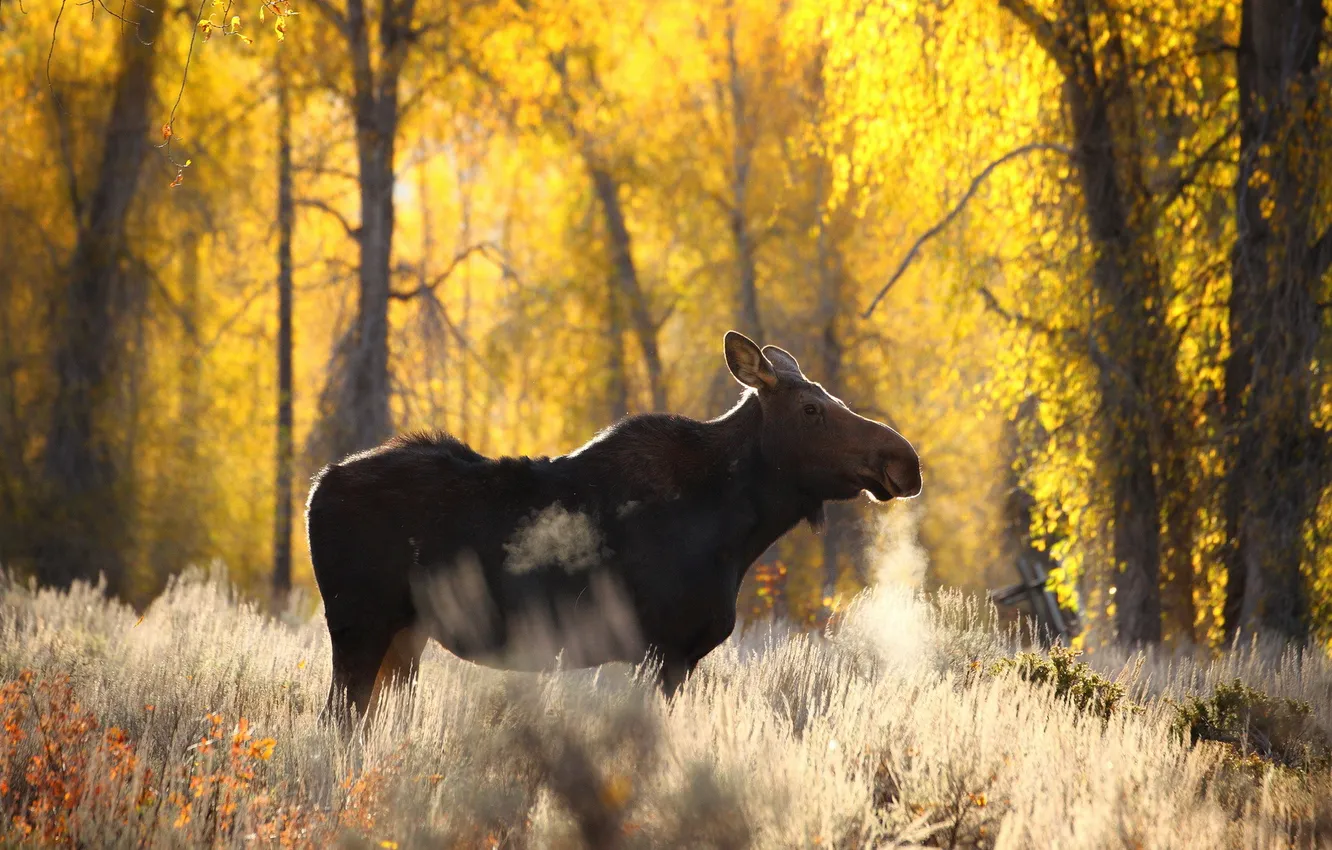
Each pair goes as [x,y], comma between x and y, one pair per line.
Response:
[781,359]
[747,363]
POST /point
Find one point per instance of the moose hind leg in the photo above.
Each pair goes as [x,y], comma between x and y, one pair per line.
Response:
[357,657]
[401,663]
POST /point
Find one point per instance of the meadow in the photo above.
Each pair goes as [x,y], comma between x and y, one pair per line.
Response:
[197,724]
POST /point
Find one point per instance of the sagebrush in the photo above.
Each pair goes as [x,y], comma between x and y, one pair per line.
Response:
[197,725]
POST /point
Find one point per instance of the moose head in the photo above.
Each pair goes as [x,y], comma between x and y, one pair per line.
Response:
[830,451]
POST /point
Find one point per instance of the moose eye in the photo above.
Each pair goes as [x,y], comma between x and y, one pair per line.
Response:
[812,409]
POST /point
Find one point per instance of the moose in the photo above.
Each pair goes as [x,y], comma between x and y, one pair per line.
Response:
[633,546]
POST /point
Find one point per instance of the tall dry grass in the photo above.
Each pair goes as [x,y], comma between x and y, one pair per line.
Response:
[197,725]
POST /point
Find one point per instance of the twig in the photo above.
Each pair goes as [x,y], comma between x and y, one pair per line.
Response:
[1068,335]
[180,93]
[1187,176]
[50,53]
[325,207]
[957,210]
[485,249]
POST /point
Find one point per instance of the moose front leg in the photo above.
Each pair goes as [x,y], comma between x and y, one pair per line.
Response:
[672,675]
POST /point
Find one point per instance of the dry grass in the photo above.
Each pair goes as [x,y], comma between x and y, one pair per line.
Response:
[197,726]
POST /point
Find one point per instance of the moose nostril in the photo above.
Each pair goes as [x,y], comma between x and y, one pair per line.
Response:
[904,479]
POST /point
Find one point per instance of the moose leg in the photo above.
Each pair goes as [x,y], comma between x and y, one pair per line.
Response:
[357,657]
[399,666]
[673,675]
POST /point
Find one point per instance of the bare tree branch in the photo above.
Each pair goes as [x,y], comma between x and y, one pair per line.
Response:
[326,171]
[487,249]
[67,155]
[957,210]
[324,206]
[1189,175]
[332,14]
[463,342]
[1045,33]
[180,93]
[1076,339]
[1320,254]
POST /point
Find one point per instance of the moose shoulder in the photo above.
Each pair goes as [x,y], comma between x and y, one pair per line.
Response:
[634,544]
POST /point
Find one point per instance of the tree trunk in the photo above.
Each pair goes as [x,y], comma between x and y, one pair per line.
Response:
[361,415]
[368,370]
[1129,332]
[1131,347]
[1018,548]
[742,145]
[87,533]
[843,535]
[747,317]
[839,518]
[617,386]
[181,531]
[1277,460]
[286,217]
[1180,512]
[626,276]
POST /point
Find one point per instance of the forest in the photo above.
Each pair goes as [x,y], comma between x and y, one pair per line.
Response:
[1076,251]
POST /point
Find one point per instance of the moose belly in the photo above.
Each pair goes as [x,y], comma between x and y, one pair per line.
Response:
[540,619]
[566,590]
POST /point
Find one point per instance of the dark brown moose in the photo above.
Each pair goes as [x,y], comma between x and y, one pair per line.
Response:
[632,546]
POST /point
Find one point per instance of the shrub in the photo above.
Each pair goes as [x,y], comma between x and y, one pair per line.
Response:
[1254,725]
[1071,679]
[862,737]
[66,780]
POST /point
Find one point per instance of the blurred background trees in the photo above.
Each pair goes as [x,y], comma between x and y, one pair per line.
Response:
[1075,251]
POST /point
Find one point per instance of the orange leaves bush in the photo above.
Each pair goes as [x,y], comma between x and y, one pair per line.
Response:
[54,758]
[226,776]
[64,779]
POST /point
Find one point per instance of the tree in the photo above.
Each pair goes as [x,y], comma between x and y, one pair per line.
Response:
[721,135]
[357,413]
[86,520]
[286,221]
[1279,461]
[1107,96]
[625,291]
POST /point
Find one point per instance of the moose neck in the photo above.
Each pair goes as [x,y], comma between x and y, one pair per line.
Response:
[777,502]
